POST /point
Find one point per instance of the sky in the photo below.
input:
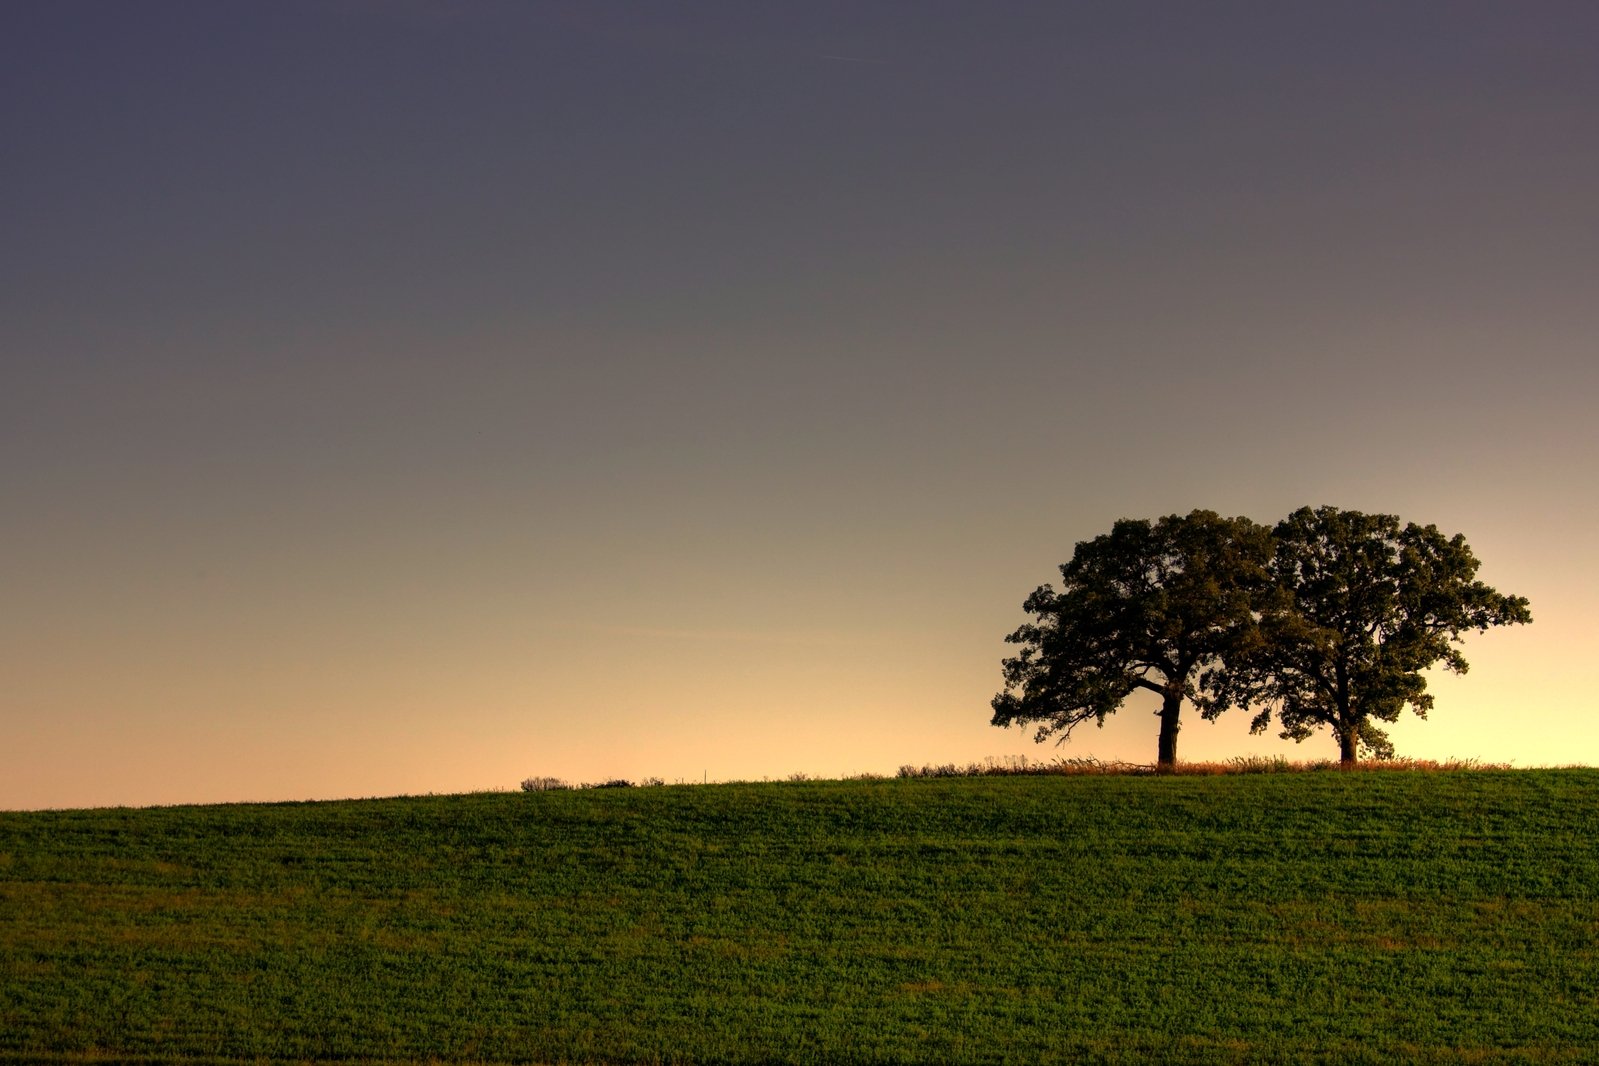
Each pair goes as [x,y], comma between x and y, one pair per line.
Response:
[405,396]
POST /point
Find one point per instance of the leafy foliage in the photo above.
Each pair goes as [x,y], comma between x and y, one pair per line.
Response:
[1364,606]
[1328,620]
[1156,606]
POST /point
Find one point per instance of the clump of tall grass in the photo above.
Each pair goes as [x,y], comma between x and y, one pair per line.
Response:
[1276,764]
[1022,766]
[1016,765]
[556,784]
[1019,766]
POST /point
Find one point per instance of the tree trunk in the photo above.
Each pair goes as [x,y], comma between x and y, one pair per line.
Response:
[1171,705]
[1347,739]
[1347,735]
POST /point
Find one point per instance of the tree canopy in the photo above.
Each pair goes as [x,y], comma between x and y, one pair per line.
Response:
[1156,606]
[1329,620]
[1363,606]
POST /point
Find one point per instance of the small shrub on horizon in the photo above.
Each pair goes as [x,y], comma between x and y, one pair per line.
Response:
[544,784]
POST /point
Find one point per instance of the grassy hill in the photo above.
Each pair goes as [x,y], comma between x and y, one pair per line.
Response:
[1326,917]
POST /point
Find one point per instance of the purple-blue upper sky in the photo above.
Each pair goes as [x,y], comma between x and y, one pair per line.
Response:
[417,395]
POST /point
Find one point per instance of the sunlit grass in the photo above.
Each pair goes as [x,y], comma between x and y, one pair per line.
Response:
[1020,765]
[1239,916]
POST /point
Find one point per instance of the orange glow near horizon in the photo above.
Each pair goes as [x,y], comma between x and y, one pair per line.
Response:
[392,404]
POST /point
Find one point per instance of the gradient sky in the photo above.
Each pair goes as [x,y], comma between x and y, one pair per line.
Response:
[403,395]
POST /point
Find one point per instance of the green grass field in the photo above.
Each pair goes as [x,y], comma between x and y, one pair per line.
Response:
[1315,917]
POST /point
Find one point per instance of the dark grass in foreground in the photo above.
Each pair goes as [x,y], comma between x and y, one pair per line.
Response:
[1432,917]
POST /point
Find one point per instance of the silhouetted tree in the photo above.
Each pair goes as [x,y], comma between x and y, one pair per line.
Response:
[1363,606]
[1155,606]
